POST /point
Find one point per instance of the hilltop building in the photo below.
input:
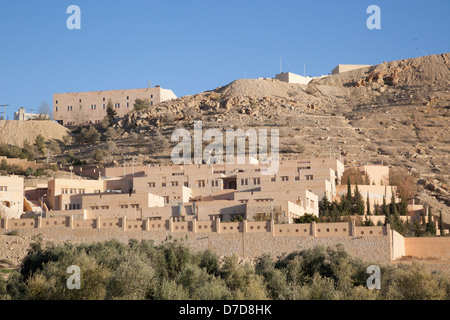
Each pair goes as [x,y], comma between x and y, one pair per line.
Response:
[290,77]
[348,67]
[81,108]
[23,116]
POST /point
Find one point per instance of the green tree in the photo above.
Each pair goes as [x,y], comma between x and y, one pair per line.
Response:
[377,210]
[385,207]
[324,206]
[357,202]
[98,155]
[110,113]
[368,205]
[403,206]
[430,226]
[393,204]
[306,218]
[40,143]
[140,104]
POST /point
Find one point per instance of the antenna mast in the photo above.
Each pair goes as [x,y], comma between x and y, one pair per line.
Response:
[4,110]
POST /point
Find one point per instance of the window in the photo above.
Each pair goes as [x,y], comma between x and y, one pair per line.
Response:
[244,182]
[256,180]
[174,183]
[166,199]
[273,179]
[152,184]
[186,184]
[124,206]
[309,177]
[128,98]
[128,105]
[80,100]
[3,188]
[215,183]
[285,178]
[104,106]
[201,183]
[163,184]
[135,206]
[56,102]
[56,109]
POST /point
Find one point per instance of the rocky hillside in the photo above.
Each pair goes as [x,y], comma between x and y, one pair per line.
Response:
[396,112]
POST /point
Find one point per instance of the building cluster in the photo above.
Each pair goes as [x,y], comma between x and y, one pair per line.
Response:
[192,192]
[290,77]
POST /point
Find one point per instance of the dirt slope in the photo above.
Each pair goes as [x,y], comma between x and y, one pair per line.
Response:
[17,132]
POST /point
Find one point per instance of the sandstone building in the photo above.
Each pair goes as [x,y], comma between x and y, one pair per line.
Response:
[81,108]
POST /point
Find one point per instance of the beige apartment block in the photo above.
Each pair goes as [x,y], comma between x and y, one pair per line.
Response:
[307,201]
[201,192]
[82,108]
[348,67]
[60,191]
[11,196]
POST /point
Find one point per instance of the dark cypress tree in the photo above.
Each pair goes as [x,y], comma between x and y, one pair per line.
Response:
[358,202]
[403,206]
[368,205]
[393,205]
[385,207]
[349,189]
[431,227]
[377,210]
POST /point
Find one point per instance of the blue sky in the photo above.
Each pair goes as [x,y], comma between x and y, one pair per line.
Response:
[197,45]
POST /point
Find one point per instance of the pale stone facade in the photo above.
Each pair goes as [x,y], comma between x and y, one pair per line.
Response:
[82,108]
[201,192]
[348,67]
[11,196]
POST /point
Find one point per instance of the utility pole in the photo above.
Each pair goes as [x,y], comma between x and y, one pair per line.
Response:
[281,58]
[4,110]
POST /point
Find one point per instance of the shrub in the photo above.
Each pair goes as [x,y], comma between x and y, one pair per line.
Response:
[88,135]
[306,218]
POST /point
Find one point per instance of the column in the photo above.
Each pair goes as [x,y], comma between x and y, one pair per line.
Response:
[124,223]
[314,229]
[218,230]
